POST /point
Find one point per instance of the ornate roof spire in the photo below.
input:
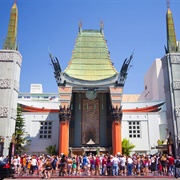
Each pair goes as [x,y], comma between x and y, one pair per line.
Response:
[171,35]
[11,38]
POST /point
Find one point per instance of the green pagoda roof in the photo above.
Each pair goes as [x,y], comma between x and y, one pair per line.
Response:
[90,59]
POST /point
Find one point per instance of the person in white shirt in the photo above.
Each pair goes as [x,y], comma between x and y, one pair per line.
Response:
[18,164]
[34,164]
[123,164]
[115,163]
[1,158]
[15,163]
[129,166]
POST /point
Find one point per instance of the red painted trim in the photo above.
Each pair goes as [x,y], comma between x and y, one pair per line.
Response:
[154,108]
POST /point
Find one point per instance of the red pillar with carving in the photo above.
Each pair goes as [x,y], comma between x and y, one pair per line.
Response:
[116,130]
[64,117]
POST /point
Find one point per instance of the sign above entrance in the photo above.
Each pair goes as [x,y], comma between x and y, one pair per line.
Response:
[91,94]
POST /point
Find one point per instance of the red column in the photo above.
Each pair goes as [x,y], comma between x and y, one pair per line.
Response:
[116,137]
[64,137]
[64,119]
[116,130]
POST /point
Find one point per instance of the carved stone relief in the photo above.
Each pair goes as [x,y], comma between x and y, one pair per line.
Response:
[64,114]
[90,121]
[5,83]
[177,110]
[117,114]
[6,55]
[175,59]
[176,85]
[3,112]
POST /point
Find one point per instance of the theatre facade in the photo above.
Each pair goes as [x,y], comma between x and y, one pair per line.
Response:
[87,114]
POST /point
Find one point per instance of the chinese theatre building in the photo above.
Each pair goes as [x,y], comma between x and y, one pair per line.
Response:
[90,92]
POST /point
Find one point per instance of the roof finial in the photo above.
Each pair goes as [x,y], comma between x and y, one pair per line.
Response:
[80,26]
[101,26]
[168,3]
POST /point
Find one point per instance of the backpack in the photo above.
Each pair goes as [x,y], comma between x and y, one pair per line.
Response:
[177,164]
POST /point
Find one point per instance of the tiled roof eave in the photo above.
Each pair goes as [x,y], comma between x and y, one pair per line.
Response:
[73,79]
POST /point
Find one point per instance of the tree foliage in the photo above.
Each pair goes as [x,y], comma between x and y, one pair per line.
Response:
[127,146]
[21,139]
[51,150]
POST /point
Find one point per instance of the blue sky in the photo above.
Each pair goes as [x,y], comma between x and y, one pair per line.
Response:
[138,25]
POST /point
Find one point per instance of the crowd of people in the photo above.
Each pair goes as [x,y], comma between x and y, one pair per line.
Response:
[95,165]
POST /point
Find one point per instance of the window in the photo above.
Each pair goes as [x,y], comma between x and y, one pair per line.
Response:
[134,129]
[45,130]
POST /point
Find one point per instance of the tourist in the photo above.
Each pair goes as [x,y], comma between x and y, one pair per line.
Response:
[146,163]
[34,165]
[153,164]
[97,165]
[164,164]
[123,165]
[160,169]
[129,165]
[23,164]
[171,165]
[78,164]
[54,161]
[92,162]
[69,165]
[48,169]
[15,163]
[109,165]
[74,166]
[177,166]
[62,165]
[104,165]
[115,163]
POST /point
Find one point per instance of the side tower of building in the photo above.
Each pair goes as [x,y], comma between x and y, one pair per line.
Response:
[90,92]
[171,71]
[10,64]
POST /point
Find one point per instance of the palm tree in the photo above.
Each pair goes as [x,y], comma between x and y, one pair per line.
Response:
[127,146]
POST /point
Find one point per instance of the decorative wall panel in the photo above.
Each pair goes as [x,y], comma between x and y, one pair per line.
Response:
[176,84]
[3,112]
[90,121]
[177,110]
[6,56]
[5,83]
[175,59]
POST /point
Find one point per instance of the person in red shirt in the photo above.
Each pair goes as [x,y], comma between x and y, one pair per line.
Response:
[97,164]
[104,165]
[171,165]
